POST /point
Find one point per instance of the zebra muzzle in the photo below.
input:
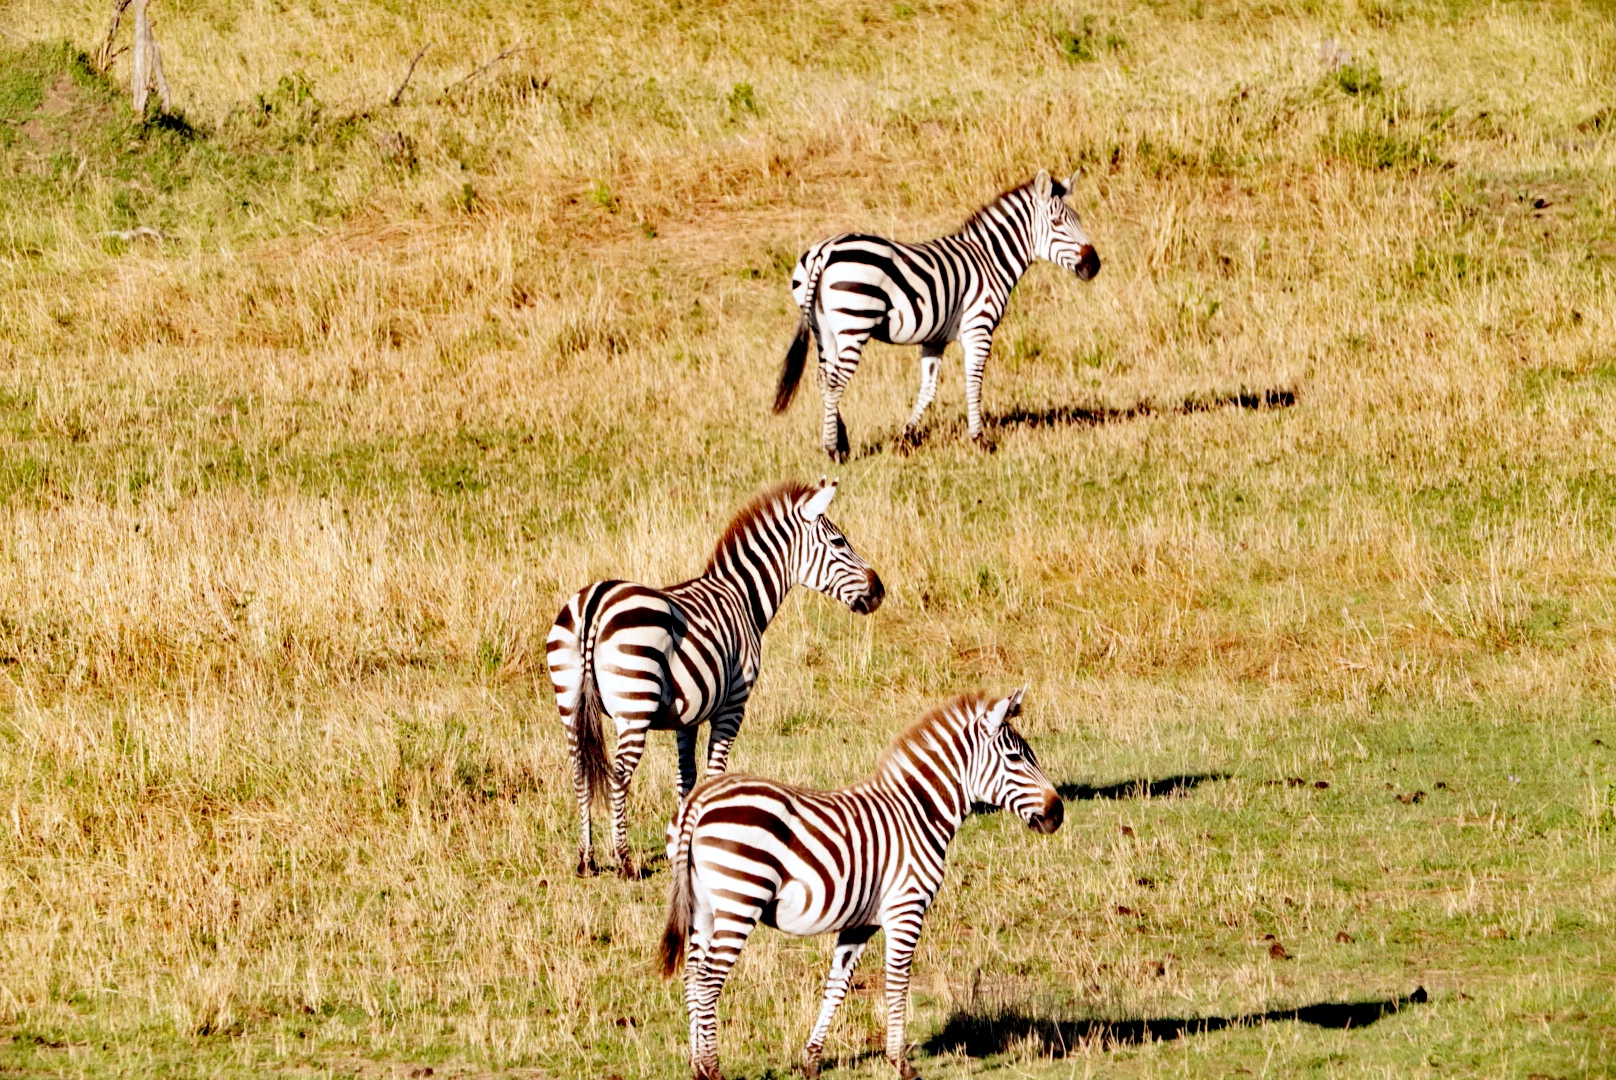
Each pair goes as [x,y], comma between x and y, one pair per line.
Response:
[1051,817]
[872,597]
[1088,263]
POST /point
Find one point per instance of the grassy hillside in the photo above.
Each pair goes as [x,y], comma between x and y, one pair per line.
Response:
[1301,526]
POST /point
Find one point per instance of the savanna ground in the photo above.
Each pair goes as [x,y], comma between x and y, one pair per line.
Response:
[1306,501]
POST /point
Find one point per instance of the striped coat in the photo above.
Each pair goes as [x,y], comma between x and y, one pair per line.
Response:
[675,658]
[852,288]
[745,851]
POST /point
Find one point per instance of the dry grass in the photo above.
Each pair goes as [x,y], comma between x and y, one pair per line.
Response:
[288,498]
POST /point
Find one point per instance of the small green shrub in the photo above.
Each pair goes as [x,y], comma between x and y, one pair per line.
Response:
[1085,42]
[742,99]
[1358,79]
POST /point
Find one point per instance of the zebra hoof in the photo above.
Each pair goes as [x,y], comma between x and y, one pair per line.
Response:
[908,441]
[840,453]
[625,868]
[906,1070]
[810,1065]
[984,444]
[586,865]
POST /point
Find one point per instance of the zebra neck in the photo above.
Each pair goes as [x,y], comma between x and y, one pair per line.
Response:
[1004,231]
[938,794]
[755,575]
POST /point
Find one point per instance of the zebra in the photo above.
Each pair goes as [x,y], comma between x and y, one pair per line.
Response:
[868,857]
[676,657]
[853,287]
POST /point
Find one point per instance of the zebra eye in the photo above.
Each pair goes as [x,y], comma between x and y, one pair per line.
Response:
[838,542]
[1013,757]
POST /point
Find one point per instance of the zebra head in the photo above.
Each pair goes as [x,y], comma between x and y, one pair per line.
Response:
[1057,234]
[826,562]
[1004,771]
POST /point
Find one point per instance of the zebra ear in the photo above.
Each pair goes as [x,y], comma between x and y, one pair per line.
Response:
[1041,184]
[993,722]
[814,508]
[1015,702]
[1071,185]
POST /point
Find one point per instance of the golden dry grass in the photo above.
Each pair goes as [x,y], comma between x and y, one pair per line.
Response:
[290,497]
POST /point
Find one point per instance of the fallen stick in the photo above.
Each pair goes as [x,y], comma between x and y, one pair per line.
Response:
[476,71]
[139,232]
[400,91]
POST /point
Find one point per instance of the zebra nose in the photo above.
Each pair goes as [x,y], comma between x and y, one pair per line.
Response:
[1050,819]
[1088,262]
[874,593]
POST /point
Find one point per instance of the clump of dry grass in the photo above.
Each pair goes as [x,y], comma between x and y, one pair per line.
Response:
[290,495]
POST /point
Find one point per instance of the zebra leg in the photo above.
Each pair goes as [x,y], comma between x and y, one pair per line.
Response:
[630,748]
[977,345]
[686,738]
[565,660]
[832,381]
[931,359]
[724,945]
[721,738]
[701,936]
[849,946]
[901,939]
[580,786]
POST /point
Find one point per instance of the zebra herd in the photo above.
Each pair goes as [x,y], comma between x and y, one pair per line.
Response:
[744,850]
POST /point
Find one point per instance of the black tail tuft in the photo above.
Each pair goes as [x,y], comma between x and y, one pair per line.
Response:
[791,373]
[592,735]
[677,933]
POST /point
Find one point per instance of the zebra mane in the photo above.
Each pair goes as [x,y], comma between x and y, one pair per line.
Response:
[1057,188]
[949,714]
[787,491]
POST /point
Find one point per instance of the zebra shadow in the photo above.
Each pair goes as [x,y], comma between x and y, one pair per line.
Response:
[1081,416]
[1167,787]
[985,1033]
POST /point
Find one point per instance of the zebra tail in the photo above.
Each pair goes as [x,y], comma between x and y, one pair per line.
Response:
[680,897]
[591,730]
[791,373]
[797,355]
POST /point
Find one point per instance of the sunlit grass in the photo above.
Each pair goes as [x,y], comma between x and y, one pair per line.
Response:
[1306,498]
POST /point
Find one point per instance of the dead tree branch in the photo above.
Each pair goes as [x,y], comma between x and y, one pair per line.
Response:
[148,63]
[478,70]
[399,93]
[108,52]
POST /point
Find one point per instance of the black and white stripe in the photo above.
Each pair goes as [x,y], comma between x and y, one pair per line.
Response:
[851,288]
[674,658]
[744,851]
